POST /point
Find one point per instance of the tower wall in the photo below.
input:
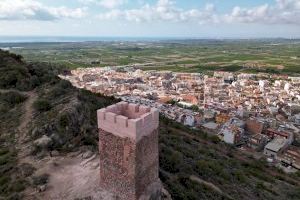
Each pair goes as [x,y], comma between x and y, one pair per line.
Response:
[128,146]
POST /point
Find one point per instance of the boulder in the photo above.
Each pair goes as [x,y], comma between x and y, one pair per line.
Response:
[87,155]
[42,188]
[165,195]
[43,142]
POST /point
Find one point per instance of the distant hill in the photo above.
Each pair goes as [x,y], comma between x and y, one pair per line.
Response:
[39,114]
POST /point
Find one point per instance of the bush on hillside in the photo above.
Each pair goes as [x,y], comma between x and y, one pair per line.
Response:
[42,105]
[40,180]
[16,74]
[12,98]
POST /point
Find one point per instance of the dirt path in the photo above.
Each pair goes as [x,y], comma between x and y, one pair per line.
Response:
[72,177]
[27,116]
[209,184]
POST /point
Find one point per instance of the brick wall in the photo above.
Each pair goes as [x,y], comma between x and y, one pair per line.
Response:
[127,168]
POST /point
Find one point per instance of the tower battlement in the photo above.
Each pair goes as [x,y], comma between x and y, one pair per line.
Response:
[128,120]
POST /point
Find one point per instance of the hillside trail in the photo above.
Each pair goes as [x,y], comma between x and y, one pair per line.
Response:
[23,146]
[22,130]
[63,169]
[27,116]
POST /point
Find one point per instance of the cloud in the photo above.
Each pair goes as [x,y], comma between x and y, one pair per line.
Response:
[261,13]
[110,4]
[282,12]
[34,10]
[163,10]
[288,4]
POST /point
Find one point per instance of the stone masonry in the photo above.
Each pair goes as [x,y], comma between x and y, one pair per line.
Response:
[128,145]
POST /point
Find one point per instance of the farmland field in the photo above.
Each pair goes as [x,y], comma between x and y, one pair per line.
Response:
[274,56]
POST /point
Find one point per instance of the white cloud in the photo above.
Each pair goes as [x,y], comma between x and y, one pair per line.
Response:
[110,4]
[34,10]
[261,13]
[163,10]
[288,4]
[282,12]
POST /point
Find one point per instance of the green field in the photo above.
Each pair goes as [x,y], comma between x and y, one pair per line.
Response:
[275,56]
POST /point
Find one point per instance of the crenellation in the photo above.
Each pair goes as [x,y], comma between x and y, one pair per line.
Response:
[101,114]
[134,108]
[111,117]
[147,119]
[155,114]
[123,105]
[122,120]
[128,120]
[144,109]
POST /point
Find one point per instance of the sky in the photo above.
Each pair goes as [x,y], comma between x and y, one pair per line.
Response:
[151,18]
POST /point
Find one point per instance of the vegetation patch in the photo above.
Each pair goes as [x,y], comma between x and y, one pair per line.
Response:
[10,99]
[42,105]
[185,152]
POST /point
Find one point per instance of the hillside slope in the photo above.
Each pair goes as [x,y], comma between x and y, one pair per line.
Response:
[40,114]
[50,119]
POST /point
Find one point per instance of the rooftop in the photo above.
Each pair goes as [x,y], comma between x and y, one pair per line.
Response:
[276,144]
[210,125]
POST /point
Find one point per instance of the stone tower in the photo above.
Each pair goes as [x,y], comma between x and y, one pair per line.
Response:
[128,145]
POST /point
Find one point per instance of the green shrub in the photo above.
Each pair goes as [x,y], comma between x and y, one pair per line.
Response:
[4,151]
[172,102]
[215,139]
[171,160]
[260,186]
[4,159]
[64,120]
[27,169]
[34,81]
[18,186]
[4,180]
[42,105]
[239,175]
[64,84]
[195,108]
[40,180]
[12,98]
[89,140]
[61,88]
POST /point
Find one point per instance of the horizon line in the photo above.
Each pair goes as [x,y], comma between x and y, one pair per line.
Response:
[7,39]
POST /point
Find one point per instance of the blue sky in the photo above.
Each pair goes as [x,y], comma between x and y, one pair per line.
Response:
[151,18]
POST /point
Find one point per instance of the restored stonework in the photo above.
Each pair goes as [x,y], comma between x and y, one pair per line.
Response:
[128,145]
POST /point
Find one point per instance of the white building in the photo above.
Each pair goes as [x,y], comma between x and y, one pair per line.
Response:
[297,119]
[276,146]
[232,135]
[189,120]
[232,131]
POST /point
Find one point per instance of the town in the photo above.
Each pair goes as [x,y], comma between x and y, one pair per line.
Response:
[257,113]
